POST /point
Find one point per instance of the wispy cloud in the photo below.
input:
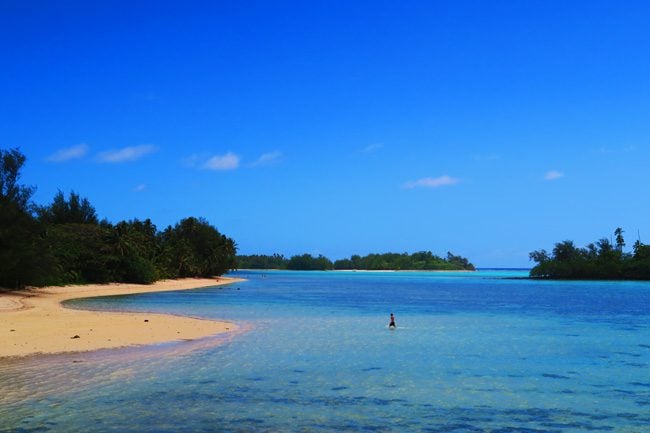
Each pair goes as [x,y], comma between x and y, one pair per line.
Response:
[553,175]
[74,152]
[432,182]
[268,159]
[139,188]
[624,149]
[229,161]
[126,154]
[372,148]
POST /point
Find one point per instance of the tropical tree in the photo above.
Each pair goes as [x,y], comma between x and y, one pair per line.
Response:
[307,262]
[11,192]
[76,210]
[64,242]
[134,248]
[195,248]
[257,261]
[23,256]
[599,260]
[620,242]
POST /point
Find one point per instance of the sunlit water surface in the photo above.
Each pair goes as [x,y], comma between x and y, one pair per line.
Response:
[473,352]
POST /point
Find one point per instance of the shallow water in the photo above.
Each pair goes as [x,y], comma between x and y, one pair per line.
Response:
[472,353]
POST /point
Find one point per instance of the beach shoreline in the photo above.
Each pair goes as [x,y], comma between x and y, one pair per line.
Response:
[34,321]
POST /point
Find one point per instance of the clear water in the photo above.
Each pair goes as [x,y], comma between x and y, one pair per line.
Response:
[473,352]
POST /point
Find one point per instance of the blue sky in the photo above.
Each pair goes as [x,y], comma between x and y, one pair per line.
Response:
[485,128]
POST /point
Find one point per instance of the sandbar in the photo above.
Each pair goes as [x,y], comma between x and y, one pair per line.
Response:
[34,321]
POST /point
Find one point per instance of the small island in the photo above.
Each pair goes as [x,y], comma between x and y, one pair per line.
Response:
[419,261]
[602,260]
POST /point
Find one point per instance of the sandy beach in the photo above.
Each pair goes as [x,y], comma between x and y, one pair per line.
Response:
[34,321]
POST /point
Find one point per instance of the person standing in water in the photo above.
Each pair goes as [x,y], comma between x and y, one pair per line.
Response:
[392,325]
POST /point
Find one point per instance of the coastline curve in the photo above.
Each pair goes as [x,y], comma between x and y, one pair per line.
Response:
[36,322]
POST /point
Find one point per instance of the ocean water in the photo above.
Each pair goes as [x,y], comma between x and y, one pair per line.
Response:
[472,352]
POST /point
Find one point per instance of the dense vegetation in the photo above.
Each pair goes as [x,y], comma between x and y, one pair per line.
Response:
[256,261]
[304,262]
[307,262]
[420,261]
[66,243]
[602,260]
[424,260]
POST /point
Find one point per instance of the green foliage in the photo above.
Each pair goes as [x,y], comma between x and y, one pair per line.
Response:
[307,262]
[460,261]
[638,267]
[602,261]
[82,254]
[138,270]
[194,248]
[423,260]
[419,261]
[77,210]
[255,261]
[134,248]
[11,162]
[23,251]
[620,242]
[21,239]
[66,244]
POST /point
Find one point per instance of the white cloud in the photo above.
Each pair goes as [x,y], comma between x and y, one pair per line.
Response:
[74,152]
[372,148]
[140,188]
[553,175]
[229,161]
[126,154]
[431,182]
[268,158]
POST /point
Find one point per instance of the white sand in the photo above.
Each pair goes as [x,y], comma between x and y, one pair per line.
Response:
[34,321]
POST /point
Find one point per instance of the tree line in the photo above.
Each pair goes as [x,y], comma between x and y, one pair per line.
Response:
[602,260]
[419,261]
[64,242]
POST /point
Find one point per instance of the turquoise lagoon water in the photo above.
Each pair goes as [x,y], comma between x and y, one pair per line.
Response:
[473,352]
